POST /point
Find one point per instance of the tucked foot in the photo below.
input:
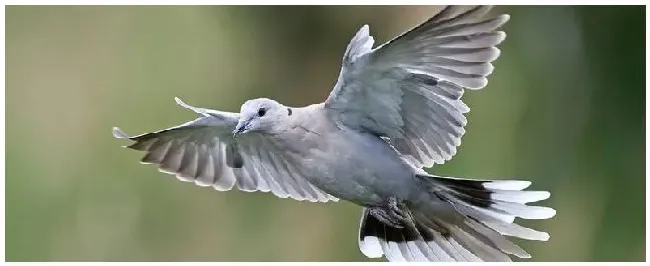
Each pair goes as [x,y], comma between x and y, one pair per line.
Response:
[385,216]
[393,213]
[394,207]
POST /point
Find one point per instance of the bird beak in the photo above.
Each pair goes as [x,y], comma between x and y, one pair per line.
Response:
[240,128]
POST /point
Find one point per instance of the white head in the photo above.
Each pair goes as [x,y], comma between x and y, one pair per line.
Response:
[261,115]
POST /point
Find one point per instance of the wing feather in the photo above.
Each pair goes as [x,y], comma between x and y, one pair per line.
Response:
[204,152]
[409,89]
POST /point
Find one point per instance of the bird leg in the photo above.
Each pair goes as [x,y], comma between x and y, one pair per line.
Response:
[385,216]
[391,214]
[394,207]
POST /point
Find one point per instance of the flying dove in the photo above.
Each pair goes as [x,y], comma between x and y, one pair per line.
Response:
[394,110]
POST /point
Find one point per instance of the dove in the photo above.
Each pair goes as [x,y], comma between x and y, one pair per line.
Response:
[395,110]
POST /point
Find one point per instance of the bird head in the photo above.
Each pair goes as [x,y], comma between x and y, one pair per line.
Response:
[260,115]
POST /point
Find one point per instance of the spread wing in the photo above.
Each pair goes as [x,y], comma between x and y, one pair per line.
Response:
[204,151]
[408,90]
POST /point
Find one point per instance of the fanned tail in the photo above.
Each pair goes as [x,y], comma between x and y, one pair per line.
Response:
[474,227]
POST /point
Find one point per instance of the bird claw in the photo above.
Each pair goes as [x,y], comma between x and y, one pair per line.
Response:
[385,217]
[394,207]
[391,214]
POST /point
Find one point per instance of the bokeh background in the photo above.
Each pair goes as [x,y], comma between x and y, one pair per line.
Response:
[564,108]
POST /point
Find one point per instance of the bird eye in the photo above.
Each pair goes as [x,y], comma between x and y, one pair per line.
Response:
[261,112]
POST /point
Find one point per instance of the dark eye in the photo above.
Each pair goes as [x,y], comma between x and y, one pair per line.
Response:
[261,112]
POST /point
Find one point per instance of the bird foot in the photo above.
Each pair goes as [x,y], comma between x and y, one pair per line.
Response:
[391,213]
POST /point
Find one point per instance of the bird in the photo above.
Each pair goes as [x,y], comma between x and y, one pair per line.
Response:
[395,110]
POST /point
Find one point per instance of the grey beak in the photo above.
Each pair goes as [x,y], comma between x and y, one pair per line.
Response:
[240,128]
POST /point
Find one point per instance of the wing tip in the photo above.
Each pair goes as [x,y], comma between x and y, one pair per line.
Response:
[119,134]
[200,111]
[524,255]
[366,29]
[504,18]
[501,35]
[543,236]
[181,103]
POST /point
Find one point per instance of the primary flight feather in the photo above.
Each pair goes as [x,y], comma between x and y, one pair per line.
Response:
[395,109]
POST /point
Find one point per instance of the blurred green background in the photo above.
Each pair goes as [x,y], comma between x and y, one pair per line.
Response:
[564,108]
